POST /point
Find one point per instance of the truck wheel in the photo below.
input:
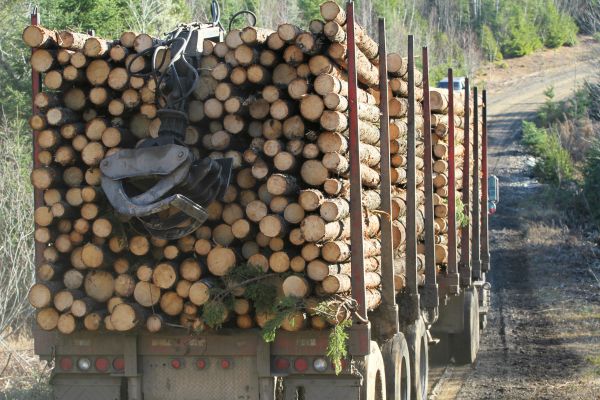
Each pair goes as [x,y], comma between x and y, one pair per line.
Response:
[466,344]
[418,349]
[397,367]
[375,376]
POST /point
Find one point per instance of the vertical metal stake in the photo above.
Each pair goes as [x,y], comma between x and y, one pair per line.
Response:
[465,237]
[431,299]
[475,215]
[387,248]
[356,212]
[36,87]
[412,299]
[485,244]
[453,275]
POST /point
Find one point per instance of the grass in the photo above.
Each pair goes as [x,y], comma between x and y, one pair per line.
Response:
[554,164]
[23,375]
[16,225]
[595,362]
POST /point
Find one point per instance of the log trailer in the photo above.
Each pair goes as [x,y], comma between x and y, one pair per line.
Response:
[388,352]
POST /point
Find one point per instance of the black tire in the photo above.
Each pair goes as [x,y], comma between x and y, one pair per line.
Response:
[397,368]
[465,345]
[418,349]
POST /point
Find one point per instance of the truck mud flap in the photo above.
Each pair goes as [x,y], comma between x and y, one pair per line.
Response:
[92,387]
[326,387]
[451,316]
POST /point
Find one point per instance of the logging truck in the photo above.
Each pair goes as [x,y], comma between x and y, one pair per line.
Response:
[254,214]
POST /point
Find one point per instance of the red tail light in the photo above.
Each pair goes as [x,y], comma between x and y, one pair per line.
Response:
[282,364]
[66,363]
[300,364]
[225,364]
[101,364]
[201,364]
[176,363]
[119,364]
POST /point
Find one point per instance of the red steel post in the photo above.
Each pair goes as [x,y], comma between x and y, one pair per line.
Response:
[36,87]
[485,244]
[452,282]
[356,212]
[465,237]
[411,301]
[388,295]
[475,215]
[430,298]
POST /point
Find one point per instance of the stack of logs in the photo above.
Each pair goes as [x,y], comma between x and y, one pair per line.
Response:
[439,129]
[273,101]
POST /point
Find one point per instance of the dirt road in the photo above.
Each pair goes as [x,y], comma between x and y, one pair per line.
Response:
[543,336]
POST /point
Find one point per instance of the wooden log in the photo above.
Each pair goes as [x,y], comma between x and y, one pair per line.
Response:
[63,300]
[171,303]
[288,32]
[97,72]
[296,286]
[316,229]
[143,42]
[327,83]
[84,306]
[146,293]
[336,32]
[283,74]
[67,324]
[93,321]
[221,260]
[164,275]
[59,116]
[72,40]
[47,318]
[96,47]
[36,36]
[41,294]
[233,39]
[126,316]
[273,226]
[43,60]
[367,73]
[246,55]
[274,42]
[439,102]
[99,285]
[314,173]
[310,43]
[200,291]
[252,35]
[340,283]
[281,184]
